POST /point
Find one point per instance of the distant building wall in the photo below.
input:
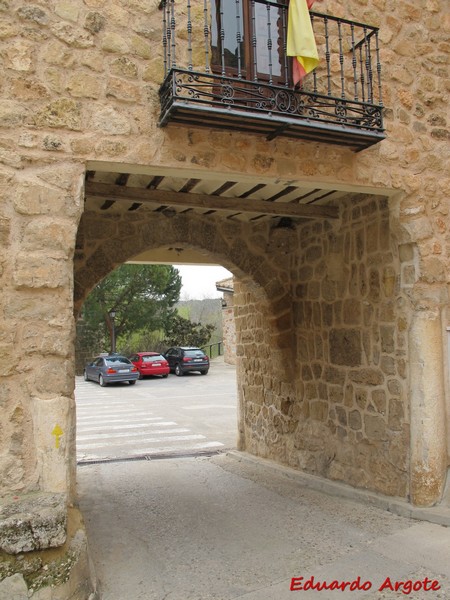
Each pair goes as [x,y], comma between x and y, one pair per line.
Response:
[228,320]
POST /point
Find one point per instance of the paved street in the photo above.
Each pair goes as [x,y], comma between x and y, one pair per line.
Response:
[216,528]
[228,526]
[155,417]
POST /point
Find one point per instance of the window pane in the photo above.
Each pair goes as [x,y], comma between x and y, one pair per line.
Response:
[117,359]
[224,13]
[269,25]
[195,353]
[149,359]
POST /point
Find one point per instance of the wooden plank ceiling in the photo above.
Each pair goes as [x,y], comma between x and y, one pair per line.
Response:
[230,199]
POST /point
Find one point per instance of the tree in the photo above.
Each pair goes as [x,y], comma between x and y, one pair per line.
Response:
[182,332]
[207,312]
[142,296]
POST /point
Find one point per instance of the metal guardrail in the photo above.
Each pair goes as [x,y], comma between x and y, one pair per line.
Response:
[213,350]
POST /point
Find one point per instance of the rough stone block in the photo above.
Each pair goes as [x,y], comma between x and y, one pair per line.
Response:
[13,588]
[112,42]
[367,377]
[319,411]
[31,200]
[55,574]
[375,428]
[355,420]
[64,113]
[352,312]
[39,271]
[32,522]
[55,236]
[345,347]
[124,67]
[379,401]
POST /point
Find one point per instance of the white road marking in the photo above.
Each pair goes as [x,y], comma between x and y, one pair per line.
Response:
[114,423]
[115,413]
[114,435]
[88,410]
[119,423]
[130,426]
[175,438]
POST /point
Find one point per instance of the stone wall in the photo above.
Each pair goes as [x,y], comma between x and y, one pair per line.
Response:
[353,317]
[80,84]
[348,416]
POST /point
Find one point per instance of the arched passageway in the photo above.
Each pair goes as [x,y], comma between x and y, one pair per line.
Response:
[322,312]
[262,287]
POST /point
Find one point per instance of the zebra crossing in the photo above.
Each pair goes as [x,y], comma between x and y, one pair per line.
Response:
[112,425]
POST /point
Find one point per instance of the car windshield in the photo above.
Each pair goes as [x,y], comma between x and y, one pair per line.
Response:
[117,359]
[152,358]
[193,353]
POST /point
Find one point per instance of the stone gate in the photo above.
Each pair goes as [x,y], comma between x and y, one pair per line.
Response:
[340,258]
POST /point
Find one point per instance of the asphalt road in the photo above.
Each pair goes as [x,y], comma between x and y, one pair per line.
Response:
[192,414]
[226,527]
[216,528]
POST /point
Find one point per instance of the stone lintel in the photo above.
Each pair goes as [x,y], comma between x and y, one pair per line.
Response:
[34,521]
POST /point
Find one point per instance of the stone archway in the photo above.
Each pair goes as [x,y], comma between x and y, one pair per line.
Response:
[265,333]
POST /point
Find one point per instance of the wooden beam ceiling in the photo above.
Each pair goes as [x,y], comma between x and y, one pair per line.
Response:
[186,200]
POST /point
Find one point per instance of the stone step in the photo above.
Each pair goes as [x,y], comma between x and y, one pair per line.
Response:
[33,521]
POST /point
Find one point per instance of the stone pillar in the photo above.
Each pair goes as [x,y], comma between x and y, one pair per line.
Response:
[427,397]
[39,216]
[36,310]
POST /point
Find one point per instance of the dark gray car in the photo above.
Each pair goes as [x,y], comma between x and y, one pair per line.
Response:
[185,359]
[111,369]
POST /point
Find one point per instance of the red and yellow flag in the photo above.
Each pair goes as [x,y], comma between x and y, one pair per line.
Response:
[300,39]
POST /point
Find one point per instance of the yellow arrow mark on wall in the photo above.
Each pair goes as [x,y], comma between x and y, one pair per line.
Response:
[57,432]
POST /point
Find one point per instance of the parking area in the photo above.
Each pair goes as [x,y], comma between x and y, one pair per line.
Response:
[192,414]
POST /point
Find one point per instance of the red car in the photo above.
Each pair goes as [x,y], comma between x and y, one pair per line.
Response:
[150,363]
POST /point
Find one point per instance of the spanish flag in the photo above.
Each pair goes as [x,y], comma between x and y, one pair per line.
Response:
[300,39]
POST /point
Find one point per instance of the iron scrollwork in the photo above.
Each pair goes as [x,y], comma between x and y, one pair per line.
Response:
[257,86]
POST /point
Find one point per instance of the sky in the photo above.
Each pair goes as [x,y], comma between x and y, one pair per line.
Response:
[199,282]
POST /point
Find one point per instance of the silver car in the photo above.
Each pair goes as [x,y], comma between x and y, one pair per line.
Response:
[111,369]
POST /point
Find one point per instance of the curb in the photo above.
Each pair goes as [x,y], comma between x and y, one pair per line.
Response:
[439,515]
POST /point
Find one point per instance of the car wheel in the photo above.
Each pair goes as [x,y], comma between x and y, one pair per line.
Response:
[204,372]
[85,376]
[132,382]
[140,376]
[166,375]
[101,381]
[178,371]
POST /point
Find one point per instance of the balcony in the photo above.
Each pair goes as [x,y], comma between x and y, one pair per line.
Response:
[226,68]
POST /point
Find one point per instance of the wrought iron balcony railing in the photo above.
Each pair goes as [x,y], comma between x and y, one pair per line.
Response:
[226,67]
